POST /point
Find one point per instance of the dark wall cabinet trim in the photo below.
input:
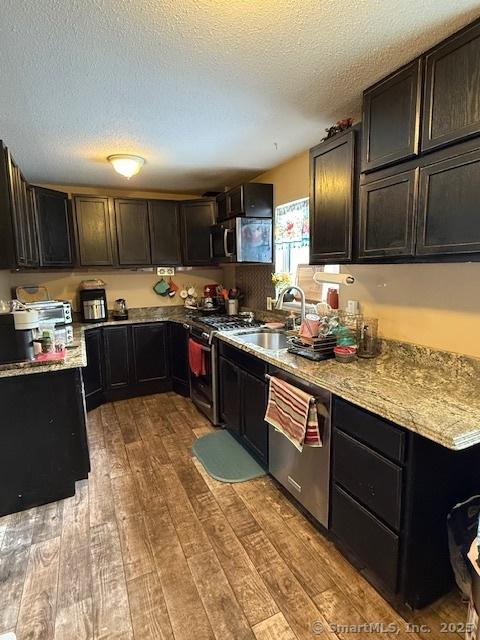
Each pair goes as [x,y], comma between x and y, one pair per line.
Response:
[391,118]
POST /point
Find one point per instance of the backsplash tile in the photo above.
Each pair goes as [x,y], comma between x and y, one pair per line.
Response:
[256,283]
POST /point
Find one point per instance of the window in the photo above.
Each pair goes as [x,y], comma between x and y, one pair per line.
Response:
[291,243]
[292,236]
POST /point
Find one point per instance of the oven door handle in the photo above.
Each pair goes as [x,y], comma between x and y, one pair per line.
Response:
[228,254]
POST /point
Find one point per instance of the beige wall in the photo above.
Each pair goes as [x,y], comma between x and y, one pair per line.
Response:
[135,287]
[437,305]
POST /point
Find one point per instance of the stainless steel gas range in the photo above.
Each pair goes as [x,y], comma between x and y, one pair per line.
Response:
[204,387]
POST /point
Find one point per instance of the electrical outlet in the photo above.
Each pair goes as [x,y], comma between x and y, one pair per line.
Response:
[165,271]
[270,302]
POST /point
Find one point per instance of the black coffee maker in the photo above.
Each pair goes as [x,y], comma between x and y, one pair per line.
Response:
[93,305]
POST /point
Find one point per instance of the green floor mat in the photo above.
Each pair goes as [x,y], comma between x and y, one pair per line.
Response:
[225,459]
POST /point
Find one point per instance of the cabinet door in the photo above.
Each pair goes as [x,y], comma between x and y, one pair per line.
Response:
[150,355]
[117,357]
[94,231]
[54,230]
[23,218]
[133,235]
[222,207]
[197,216]
[230,395]
[235,201]
[93,372]
[451,109]
[164,232]
[448,211]
[254,427]
[332,166]
[391,118]
[372,543]
[387,210]
[32,240]
[179,334]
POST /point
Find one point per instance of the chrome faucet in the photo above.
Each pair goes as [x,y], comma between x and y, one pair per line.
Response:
[279,303]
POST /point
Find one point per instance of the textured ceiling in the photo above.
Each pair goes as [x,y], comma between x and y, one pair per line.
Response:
[203,89]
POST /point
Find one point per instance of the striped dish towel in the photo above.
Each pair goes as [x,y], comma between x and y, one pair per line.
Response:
[294,413]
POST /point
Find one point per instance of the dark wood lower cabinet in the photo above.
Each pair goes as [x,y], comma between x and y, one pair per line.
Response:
[136,361]
[179,367]
[44,445]
[117,358]
[255,430]
[93,373]
[230,399]
[150,355]
[391,493]
[243,399]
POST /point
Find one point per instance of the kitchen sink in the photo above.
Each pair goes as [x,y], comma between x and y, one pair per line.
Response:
[266,339]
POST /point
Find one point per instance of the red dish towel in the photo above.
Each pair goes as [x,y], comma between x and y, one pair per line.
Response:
[294,413]
[196,358]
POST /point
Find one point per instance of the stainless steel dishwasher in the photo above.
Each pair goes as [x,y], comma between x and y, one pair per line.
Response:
[305,474]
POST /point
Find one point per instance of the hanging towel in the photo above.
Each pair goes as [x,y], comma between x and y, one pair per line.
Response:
[196,358]
[294,413]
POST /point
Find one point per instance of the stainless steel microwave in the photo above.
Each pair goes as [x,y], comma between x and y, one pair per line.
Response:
[242,240]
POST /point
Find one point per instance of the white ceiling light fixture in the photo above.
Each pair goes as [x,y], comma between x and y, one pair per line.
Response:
[126,165]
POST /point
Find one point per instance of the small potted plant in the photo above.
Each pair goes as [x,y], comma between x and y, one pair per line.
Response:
[282,279]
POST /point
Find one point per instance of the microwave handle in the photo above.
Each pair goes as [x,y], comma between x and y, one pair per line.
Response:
[211,246]
[228,254]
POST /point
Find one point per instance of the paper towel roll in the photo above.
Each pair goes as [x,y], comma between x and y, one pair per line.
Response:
[321,277]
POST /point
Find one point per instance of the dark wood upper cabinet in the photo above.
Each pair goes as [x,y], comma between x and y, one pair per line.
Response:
[54,228]
[448,211]
[93,231]
[164,232]
[332,167]
[387,216]
[451,109]
[196,217]
[22,216]
[252,199]
[133,234]
[222,207]
[391,118]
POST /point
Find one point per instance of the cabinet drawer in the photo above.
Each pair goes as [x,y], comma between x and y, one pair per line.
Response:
[370,429]
[374,480]
[370,541]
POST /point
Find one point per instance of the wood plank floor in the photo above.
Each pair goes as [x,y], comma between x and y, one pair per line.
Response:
[152,548]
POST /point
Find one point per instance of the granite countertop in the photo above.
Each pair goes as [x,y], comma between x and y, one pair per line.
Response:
[76,353]
[435,394]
